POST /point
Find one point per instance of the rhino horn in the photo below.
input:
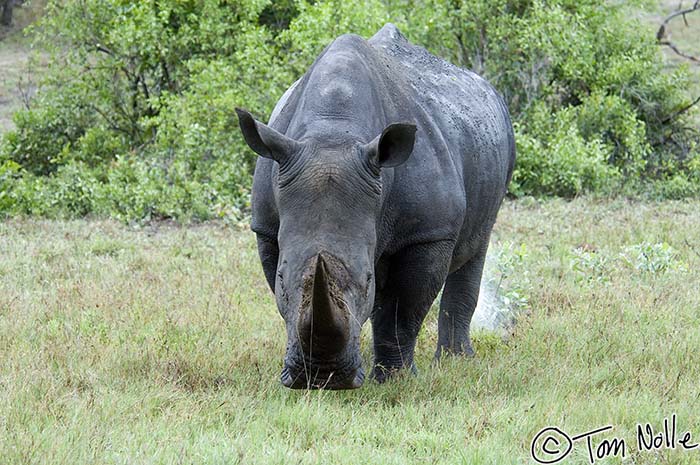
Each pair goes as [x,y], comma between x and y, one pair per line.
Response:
[324,325]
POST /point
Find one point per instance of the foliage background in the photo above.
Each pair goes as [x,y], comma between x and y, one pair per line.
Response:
[134,116]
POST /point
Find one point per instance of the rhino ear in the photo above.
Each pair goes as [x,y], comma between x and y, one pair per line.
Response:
[264,140]
[393,146]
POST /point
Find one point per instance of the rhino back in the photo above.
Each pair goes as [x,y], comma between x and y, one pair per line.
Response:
[466,130]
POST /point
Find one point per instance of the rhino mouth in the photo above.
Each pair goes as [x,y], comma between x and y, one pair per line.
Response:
[322,379]
[344,372]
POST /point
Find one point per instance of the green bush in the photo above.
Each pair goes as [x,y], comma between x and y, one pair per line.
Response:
[588,58]
[555,158]
[136,190]
[138,105]
[135,116]
[653,259]
[8,173]
[50,130]
[562,164]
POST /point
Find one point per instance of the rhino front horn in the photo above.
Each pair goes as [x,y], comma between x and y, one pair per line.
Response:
[324,326]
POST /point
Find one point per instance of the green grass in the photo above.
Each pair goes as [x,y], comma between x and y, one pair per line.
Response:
[163,345]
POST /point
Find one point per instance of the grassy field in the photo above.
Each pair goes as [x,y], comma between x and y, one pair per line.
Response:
[162,345]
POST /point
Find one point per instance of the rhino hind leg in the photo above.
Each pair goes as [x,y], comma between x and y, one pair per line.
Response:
[457,307]
[414,278]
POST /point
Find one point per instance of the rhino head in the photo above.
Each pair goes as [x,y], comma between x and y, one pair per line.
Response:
[328,194]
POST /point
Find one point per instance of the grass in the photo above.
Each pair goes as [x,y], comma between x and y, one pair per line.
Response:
[162,345]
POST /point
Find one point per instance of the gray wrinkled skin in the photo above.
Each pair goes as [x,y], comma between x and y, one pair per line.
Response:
[381,174]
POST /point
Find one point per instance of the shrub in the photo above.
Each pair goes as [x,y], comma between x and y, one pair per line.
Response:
[554,158]
[138,101]
[8,172]
[49,131]
[590,267]
[652,259]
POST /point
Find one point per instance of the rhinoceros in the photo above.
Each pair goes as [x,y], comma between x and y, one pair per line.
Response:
[380,176]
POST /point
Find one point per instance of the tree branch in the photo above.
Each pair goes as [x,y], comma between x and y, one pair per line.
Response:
[663,38]
[681,111]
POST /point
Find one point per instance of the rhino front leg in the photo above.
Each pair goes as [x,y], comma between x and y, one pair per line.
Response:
[414,278]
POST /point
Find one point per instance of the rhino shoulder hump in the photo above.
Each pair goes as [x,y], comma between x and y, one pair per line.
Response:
[388,33]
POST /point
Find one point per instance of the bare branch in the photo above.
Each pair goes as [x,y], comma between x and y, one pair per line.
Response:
[101,48]
[681,111]
[26,92]
[673,47]
[663,37]
[110,123]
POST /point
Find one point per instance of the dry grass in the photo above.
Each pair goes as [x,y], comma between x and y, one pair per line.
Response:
[163,345]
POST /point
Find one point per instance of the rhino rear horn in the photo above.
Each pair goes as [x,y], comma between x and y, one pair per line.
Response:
[324,328]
